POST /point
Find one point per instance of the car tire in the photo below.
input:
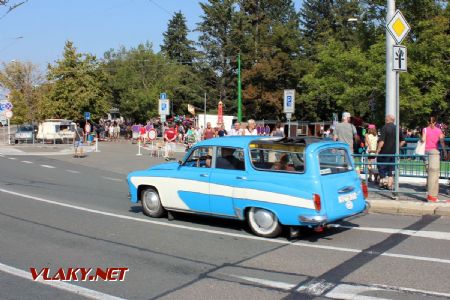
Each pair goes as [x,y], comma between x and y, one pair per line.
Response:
[263,222]
[151,203]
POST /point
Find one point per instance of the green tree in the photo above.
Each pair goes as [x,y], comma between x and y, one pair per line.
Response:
[136,76]
[79,85]
[176,44]
[343,80]
[22,79]
[425,88]
[217,40]
[269,52]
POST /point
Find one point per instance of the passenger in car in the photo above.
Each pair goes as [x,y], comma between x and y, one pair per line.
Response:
[227,160]
[283,164]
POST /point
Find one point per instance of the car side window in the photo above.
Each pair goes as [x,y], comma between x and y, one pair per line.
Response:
[277,160]
[230,158]
[199,158]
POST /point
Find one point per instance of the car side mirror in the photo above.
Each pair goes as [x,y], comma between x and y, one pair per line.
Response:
[180,162]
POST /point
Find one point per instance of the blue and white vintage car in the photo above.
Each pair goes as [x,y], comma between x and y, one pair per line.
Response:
[269,182]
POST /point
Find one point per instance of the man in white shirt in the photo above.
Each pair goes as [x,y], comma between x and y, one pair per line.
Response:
[236,130]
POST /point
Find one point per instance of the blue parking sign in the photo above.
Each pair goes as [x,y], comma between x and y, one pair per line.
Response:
[162,96]
[164,107]
[87,115]
[289,101]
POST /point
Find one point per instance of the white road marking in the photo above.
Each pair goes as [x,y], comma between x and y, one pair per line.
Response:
[271,283]
[47,166]
[403,289]
[12,158]
[352,292]
[114,179]
[315,287]
[339,291]
[27,161]
[72,288]
[217,232]
[438,235]
[73,171]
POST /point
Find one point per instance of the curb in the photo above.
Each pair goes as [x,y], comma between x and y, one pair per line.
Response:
[410,208]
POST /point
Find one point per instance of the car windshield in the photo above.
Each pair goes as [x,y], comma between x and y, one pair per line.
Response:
[277,157]
[25,128]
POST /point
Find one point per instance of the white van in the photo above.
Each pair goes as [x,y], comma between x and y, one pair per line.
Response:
[56,131]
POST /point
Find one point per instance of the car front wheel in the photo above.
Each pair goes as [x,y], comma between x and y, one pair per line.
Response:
[151,203]
[263,222]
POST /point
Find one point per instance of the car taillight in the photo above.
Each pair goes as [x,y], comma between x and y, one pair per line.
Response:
[365,190]
[317,203]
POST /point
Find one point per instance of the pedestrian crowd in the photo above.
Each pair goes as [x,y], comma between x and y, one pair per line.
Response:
[379,147]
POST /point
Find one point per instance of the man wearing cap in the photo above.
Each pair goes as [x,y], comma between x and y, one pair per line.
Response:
[345,131]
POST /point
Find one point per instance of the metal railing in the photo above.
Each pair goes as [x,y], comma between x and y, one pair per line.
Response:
[408,165]
[412,166]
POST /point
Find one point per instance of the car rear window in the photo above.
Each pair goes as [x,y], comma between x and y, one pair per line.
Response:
[277,157]
[333,161]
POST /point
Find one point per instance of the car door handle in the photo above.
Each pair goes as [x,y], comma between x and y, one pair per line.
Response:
[204,175]
[346,189]
[241,177]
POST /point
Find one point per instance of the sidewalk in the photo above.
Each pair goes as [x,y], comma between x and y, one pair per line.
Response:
[411,199]
[120,157]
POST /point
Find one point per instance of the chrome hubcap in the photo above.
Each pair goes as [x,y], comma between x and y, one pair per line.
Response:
[151,200]
[263,218]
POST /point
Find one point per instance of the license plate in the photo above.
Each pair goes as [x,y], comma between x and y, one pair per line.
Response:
[347,197]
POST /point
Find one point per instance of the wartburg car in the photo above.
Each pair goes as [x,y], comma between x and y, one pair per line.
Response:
[268,182]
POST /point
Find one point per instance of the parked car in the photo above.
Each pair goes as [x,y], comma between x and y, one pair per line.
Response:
[25,134]
[268,182]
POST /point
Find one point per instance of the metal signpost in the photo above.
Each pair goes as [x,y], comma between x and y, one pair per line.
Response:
[164,110]
[398,28]
[289,107]
[6,108]
[164,106]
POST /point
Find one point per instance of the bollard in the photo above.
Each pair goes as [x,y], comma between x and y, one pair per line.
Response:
[139,147]
[433,175]
[96,145]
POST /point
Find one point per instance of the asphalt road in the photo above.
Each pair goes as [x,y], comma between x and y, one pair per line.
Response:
[61,212]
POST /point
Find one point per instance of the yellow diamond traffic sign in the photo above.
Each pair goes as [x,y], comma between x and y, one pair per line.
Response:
[398,27]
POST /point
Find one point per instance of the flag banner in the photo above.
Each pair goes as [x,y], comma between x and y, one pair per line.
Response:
[191,109]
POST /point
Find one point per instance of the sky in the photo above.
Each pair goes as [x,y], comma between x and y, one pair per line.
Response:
[37,30]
